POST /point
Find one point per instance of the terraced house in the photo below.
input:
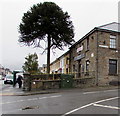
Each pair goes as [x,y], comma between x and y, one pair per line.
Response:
[97,55]
[61,64]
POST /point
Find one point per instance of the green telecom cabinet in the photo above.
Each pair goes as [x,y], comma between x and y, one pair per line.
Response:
[66,81]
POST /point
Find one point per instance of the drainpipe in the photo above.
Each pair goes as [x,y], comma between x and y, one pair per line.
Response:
[70,59]
[97,59]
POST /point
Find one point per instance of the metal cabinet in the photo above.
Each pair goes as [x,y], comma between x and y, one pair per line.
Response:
[66,81]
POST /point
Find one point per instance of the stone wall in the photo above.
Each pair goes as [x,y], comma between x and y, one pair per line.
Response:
[104,54]
[83,83]
[56,84]
[37,84]
[89,54]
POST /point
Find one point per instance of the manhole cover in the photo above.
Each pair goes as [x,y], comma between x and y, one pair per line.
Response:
[30,107]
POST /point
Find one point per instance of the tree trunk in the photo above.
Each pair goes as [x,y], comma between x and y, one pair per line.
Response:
[48,55]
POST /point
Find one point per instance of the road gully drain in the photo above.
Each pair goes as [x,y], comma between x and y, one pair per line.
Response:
[30,107]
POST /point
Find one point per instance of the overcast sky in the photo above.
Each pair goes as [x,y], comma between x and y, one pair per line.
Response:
[85,15]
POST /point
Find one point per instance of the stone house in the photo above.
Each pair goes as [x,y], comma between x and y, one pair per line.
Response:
[55,66]
[97,54]
[4,71]
[43,69]
[61,64]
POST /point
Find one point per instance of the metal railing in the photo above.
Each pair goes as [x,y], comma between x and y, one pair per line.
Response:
[54,76]
[90,74]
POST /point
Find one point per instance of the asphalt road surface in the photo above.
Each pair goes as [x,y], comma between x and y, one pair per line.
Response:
[73,101]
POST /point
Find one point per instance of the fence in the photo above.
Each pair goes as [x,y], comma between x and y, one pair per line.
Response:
[84,74]
[57,76]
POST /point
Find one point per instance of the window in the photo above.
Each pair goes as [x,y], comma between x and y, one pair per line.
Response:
[87,65]
[87,68]
[82,68]
[92,37]
[67,60]
[112,66]
[112,41]
[67,70]
[87,43]
[74,68]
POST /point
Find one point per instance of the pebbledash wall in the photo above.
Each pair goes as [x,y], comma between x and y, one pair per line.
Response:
[97,55]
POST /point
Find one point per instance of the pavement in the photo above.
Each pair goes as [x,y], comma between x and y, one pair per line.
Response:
[20,92]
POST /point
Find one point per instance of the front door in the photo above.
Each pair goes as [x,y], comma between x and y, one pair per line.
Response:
[79,69]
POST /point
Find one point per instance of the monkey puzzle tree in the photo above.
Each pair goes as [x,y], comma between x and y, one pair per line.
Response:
[46,21]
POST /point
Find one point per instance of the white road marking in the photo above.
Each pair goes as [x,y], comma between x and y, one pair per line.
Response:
[105,106]
[99,91]
[89,105]
[55,96]
[77,109]
[91,92]
[106,99]
[31,99]
[110,90]
[42,97]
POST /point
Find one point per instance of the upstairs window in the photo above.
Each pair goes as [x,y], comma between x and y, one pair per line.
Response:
[112,41]
[67,60]
[87,44]
[74,68]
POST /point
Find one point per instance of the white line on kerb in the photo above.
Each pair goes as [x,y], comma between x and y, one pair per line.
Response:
[89,105]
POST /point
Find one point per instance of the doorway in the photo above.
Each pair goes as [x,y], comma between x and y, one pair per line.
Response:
[79,68]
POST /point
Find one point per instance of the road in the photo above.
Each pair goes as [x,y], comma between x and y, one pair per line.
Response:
[74,101]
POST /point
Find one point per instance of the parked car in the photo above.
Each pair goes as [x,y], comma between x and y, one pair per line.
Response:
[8,79]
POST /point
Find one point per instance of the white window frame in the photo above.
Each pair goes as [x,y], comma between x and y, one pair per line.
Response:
[113,41]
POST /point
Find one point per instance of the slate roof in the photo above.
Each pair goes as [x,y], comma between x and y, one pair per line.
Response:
[111,27]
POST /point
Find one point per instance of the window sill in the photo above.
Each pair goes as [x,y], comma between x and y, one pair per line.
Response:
[86,73]
[113,74]
[113,48]
[87,50]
